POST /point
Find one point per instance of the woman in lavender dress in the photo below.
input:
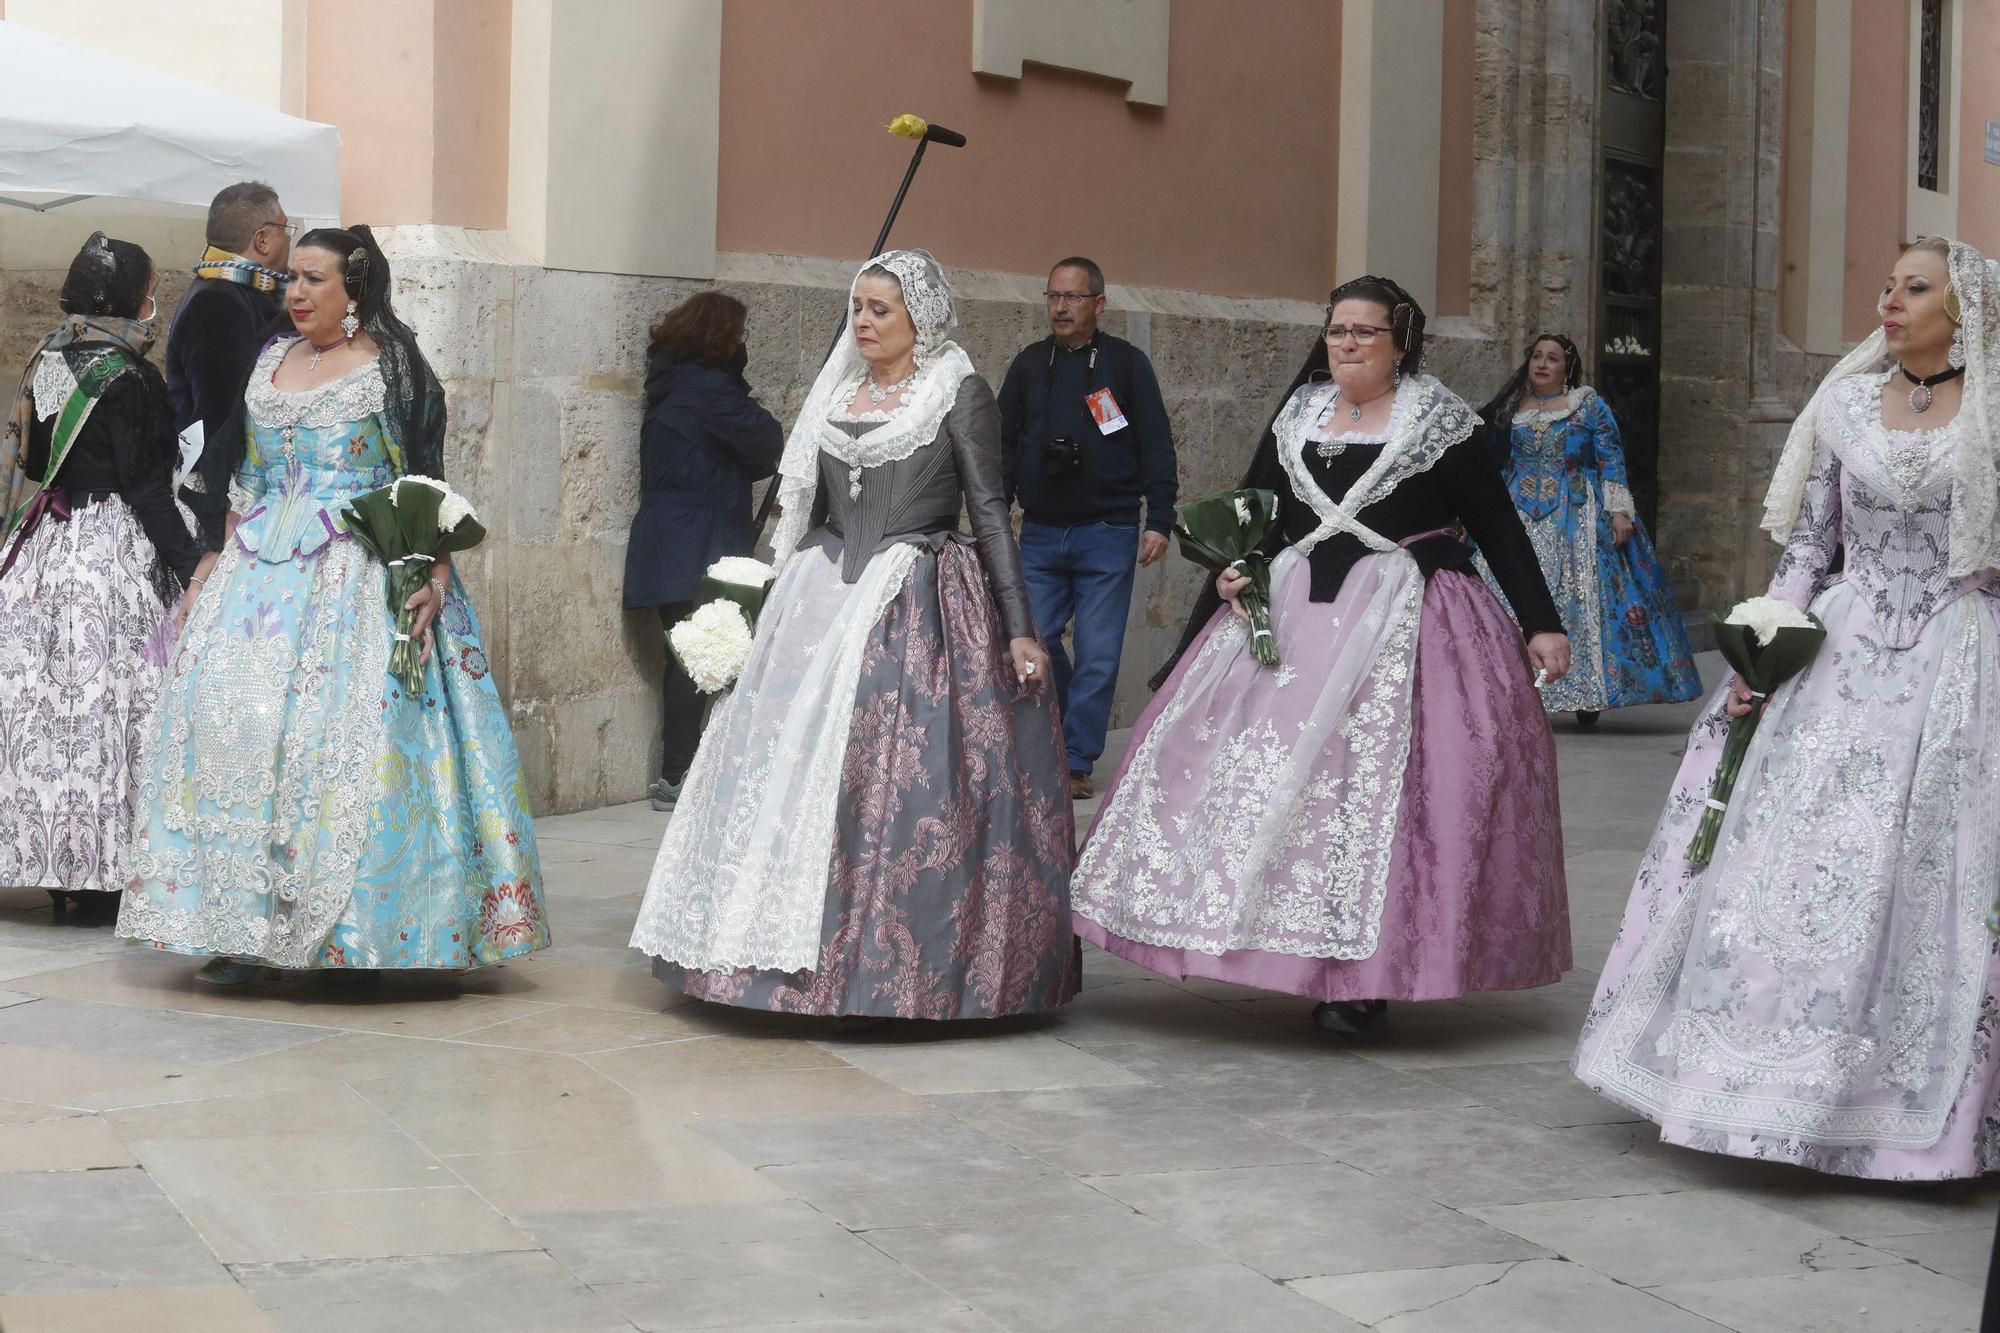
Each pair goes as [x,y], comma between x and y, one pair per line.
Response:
[877,823]
[1824,991]
[1376,818]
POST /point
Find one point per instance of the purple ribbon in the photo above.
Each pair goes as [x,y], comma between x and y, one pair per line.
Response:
[51,500]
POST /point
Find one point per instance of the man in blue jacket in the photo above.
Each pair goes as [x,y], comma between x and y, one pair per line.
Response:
[1084,444]
[231,309]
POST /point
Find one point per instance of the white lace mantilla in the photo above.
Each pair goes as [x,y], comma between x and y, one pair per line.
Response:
[1421,430]
[351,397]
[53,384]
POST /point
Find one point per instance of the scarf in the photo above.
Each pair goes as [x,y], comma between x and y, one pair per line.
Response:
[223,266]
[132,336]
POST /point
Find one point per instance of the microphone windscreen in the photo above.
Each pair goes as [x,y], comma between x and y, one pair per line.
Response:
[939,134]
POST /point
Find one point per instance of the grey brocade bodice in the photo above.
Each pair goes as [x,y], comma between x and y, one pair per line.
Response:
[1885,496]
[917,499]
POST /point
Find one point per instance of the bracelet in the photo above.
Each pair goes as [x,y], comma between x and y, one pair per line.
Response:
[439,585]
[197,579]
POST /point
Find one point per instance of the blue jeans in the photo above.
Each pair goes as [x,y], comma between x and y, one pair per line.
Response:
[1082,573]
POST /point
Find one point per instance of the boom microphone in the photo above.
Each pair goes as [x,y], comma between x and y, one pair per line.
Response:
[939,134]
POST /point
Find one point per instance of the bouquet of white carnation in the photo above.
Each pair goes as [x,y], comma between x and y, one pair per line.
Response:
[713,644]
[408,524]
[1767,641]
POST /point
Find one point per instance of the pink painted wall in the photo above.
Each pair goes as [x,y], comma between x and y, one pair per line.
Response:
[419,89]
[1229,188]
[1454,271]
[1979,180]
[1877,156]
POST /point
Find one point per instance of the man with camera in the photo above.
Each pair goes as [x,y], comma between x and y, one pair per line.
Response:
[1084,440]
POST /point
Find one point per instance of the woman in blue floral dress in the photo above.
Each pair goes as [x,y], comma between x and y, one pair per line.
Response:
[1562,460]
[298,809]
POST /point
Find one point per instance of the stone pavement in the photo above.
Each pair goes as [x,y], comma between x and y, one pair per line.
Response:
[564,1145]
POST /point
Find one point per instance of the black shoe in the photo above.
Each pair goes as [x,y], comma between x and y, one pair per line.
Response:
[1349,1018]
[1586,718]
[665,794]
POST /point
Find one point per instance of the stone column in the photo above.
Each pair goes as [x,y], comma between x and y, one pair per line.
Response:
[1723,422]
[1391,122]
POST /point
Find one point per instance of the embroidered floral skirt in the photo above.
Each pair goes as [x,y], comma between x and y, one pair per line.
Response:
[951,843]
[298,808]
[1625,628]
[1473,897]
[76,694]
[1825,992]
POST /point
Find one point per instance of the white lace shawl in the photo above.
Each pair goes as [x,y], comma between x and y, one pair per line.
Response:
[942,367]
[1426,420]
[1975,506]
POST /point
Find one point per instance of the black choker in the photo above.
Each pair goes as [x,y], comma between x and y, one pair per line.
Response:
[1920,397]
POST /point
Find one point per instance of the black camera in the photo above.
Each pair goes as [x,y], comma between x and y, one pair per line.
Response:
[1062,457]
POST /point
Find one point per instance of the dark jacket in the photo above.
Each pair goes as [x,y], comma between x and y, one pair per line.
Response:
[214,340]
[705,440]
[1044,397]
[127,449]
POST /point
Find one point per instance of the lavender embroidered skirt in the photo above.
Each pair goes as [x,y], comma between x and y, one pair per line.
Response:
[948,895]
[1475,898]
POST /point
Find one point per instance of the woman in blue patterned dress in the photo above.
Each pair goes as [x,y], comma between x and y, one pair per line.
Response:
[298,809]
[1561,458]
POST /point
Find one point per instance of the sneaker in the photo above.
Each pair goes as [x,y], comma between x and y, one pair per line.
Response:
[665,794]
[1080,788]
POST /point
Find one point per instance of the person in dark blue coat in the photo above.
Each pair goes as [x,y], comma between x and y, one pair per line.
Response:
[705,440]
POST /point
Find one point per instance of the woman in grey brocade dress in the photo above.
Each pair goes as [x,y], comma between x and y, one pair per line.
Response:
[877,822]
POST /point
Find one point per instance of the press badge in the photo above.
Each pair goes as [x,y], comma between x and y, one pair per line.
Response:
[1105,411]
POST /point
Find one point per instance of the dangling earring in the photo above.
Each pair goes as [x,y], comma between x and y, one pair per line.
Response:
[349,325]
[1399,377]
[1956,356]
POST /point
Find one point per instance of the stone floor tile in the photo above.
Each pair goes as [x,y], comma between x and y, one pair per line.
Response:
[714,1054]
[774,1093]
[154,1036]
[73,1078]
[1865,1209]
[662,1166]
[1282,1081]
[318,1110]
[1112,1131]
[70,1143]
[221,1308]
[580,1030]
[410,1006]
[1467,1158]
[21,1113]
[10,998]
[955,1321]
[493,1293]
[1532,1296]
[1646,1240]
[1960,1254]
[1010,1061]
[282,1163]
[1902,1297]
[1150,1011]
[1547,1094]
[86,1230]
[623,985]
[736,1263]
[17,961]
[479,1099]
[1444,1033]
[350,1224]
[1305,1220]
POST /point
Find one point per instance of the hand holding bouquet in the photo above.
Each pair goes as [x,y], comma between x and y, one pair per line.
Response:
[713,644]
[408,525]
[1767,641]
[1233,531]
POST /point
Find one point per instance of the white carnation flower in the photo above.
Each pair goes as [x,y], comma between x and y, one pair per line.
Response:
[713,644]
[741,569]
[1243,511]
[453,510]
[1765,616]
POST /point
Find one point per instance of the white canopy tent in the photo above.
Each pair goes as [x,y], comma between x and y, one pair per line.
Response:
[77,125]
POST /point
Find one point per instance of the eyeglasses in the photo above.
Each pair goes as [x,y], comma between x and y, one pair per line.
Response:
[291,229]
[1069,298]
[1363,333]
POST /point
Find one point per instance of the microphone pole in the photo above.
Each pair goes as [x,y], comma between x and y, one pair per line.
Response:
[926,134]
